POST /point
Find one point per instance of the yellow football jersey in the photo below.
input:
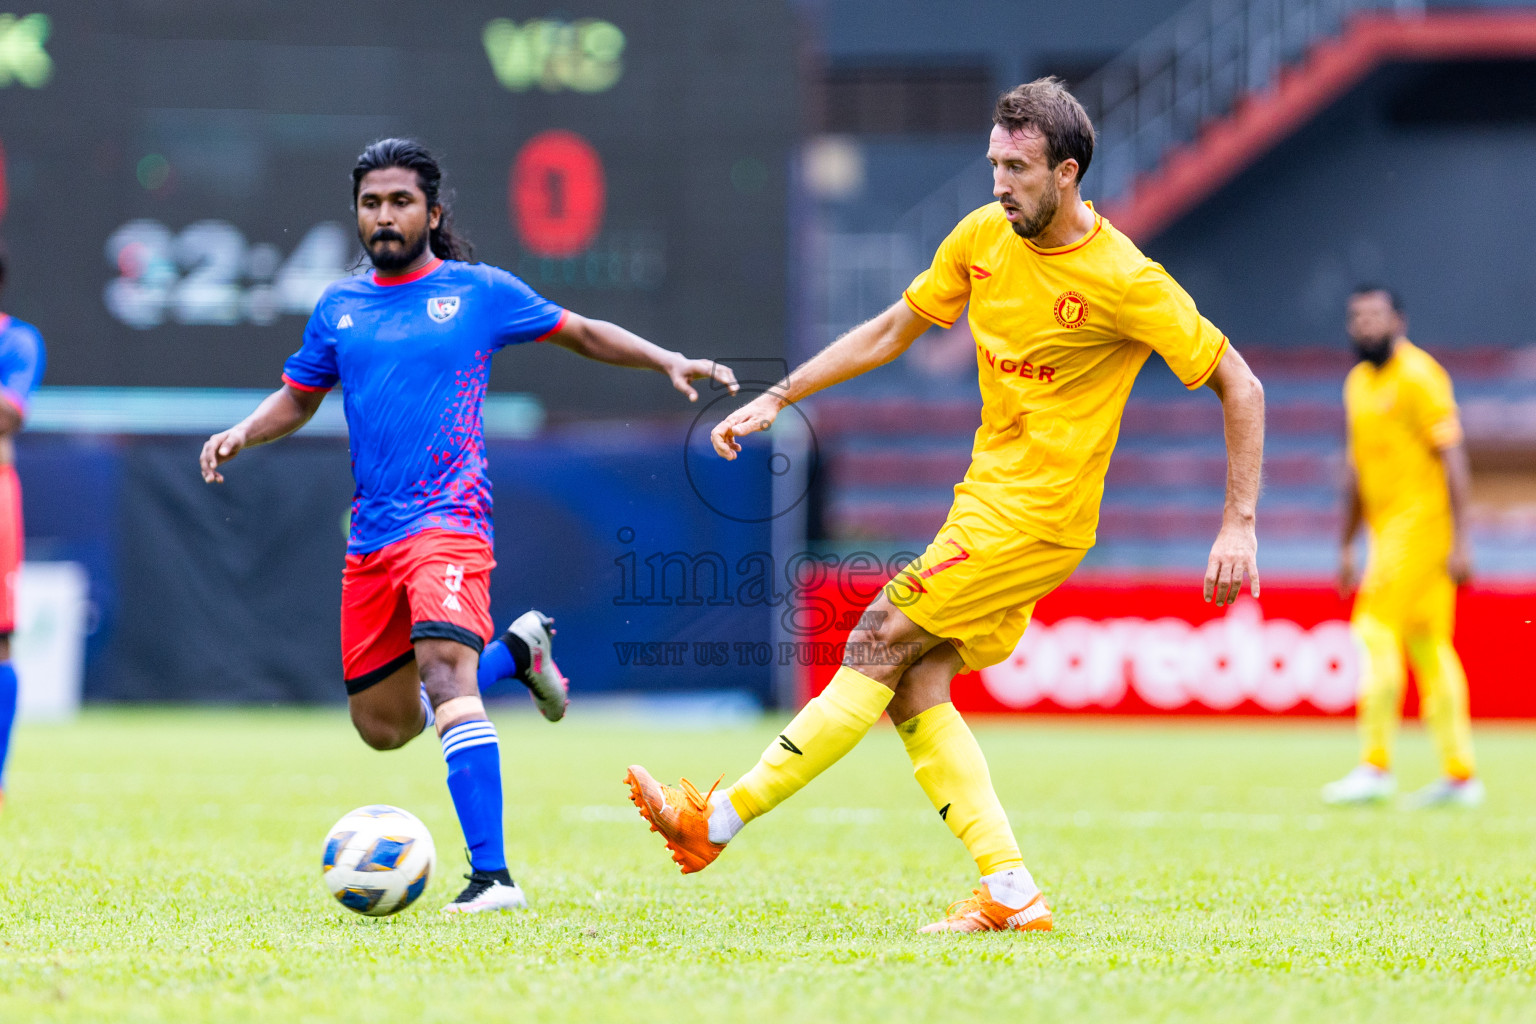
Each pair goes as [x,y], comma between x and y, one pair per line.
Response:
[1060,335]
[1401,416]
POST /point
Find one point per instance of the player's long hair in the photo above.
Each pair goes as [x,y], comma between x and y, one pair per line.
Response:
[413,156]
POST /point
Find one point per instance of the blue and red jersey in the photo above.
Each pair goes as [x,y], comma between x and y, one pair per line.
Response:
[413,355]
[22,359]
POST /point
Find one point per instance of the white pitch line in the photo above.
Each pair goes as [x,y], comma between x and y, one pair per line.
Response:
[1205,821]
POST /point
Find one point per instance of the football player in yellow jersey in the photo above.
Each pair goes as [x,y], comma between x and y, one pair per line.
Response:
[1064,311]
[1408,481]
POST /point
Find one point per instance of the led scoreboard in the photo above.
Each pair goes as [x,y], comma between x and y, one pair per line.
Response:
[174,189]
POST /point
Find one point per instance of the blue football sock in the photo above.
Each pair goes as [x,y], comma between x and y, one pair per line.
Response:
[7,711]
[496,665]
[474,779]
[503,660]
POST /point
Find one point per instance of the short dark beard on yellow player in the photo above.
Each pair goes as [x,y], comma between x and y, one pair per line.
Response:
[1034,225]
[1375,351]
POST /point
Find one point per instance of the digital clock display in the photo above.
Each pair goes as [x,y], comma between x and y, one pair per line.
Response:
[175,194]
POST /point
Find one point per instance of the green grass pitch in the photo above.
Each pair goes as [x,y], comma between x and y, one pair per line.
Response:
[164,865]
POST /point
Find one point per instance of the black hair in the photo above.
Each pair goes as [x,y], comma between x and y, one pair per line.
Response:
[413,156]
[1371,288]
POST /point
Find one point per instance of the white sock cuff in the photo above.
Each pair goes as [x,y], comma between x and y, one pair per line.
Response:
[1014,887]
[426,706]
[466,735]
[724,822]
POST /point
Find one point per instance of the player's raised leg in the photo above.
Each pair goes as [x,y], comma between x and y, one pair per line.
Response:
[524,653]
[697,826]
[392,710]
[948,763]
[388,704]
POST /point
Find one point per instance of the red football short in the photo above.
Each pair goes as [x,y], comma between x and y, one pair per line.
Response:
[10,546]
[431,585]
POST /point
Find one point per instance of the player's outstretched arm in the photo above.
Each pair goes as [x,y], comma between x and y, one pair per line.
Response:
[871,344]
[1236,550]
[279,414]
[610,343]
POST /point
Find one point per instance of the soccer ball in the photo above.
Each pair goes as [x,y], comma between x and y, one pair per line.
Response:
[378,859]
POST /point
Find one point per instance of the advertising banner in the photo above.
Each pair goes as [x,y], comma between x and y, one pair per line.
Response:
[49,643]
[1155,648]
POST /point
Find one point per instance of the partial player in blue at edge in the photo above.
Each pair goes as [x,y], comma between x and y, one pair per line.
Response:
[21,369]
[410,344]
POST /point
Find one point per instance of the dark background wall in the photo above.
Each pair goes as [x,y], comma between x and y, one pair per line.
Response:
[1014,38]
[232,593]
[1421,177]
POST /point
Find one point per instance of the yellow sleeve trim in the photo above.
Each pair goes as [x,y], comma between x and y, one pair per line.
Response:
[920,311]
[1206,374]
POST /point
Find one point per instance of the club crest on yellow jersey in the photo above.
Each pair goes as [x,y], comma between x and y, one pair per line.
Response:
[1071,310]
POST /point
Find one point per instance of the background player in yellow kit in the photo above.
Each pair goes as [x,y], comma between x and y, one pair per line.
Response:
[1064,311]
[1408,481]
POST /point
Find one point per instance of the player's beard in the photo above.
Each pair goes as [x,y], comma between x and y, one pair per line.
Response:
[1034,225]
[394,262]
[1375,351]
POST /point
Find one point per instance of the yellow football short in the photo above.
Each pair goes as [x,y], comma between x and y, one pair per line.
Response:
[978,582]
[1407,585]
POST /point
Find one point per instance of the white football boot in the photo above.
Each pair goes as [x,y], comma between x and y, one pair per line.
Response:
[550,689]
[1447,792]
[487,891]
[1365,784]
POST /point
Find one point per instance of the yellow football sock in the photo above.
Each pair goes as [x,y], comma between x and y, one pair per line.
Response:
[1443,702]
[825,729]
[950,767]
[1382,678]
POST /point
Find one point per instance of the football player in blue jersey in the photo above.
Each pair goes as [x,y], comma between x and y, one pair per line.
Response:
[21,368]
[411,345]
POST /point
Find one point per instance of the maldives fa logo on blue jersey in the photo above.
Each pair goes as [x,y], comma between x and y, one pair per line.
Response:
[442,307]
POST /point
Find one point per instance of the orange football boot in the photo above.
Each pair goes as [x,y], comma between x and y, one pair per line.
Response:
[981,913]
[680,814]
